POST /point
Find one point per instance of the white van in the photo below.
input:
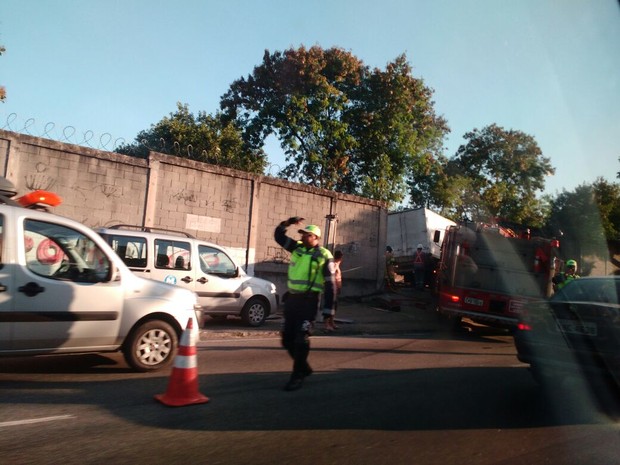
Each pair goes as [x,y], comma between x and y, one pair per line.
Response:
[64,290]
[223,288]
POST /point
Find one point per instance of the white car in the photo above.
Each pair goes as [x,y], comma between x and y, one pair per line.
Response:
[223,288]
[64,290]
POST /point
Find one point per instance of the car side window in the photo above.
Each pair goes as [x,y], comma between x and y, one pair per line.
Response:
[131,249]
[58,252]
[215,261]
[172,254]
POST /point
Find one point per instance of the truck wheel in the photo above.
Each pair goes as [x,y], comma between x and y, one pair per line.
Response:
[254,312]
[452,322]
[151,346]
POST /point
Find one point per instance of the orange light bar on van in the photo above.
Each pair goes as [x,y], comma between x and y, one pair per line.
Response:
[39,197]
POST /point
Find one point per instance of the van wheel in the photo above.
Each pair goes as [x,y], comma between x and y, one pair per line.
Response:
[151,346]
[254,312]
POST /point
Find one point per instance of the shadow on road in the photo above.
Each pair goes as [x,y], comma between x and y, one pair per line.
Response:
[349,399]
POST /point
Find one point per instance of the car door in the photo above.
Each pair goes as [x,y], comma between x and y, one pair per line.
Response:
[173,263]
[64,295]
[218,285]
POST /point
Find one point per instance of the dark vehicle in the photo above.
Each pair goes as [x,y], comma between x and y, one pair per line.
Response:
[575,334]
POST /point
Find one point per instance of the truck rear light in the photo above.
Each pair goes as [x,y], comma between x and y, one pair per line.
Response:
[454,298]
[521,326]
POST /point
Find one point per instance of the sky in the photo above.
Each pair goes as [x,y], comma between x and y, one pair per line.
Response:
[98,72]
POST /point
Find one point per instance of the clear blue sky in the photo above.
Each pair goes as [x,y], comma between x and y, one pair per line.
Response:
[549,68]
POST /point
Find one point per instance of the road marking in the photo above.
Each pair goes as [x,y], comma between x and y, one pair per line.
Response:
[35,420]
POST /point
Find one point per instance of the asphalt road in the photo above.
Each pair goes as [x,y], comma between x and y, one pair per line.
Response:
[418,396]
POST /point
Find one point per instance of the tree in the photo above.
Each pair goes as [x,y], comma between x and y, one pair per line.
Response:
[204,138]
[399,135]
[607,199]
[299,96]
[341,125]
[500,173]
[587,218]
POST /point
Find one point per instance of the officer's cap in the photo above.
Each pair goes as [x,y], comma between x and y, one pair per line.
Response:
[311,229]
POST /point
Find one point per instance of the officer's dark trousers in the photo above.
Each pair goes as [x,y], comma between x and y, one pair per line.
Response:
[299,314]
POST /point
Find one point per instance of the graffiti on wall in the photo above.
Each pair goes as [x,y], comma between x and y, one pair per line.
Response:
[230,205]
[277,255]
[187,197]
[42,180]
[39,180]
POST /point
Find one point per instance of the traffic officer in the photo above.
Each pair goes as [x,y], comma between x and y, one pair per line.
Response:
[311,272]
[563,278]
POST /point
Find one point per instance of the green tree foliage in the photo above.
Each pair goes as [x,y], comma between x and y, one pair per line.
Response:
[588,217]
[341,125]
[398,133]
[203,137]
[497,173]
[607,198]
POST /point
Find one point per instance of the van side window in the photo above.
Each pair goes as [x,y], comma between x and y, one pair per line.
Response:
[131,249]
[215,261]
[172,254]
[58,252]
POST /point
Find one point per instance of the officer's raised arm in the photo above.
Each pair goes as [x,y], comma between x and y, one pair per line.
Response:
[280,236]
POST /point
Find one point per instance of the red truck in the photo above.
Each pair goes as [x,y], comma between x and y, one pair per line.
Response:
[488,273]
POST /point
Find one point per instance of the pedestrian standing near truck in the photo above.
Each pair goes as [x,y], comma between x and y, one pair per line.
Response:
[311,272]
[419,266]
[330,317]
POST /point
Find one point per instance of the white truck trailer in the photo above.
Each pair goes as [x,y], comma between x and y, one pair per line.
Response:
[406,229]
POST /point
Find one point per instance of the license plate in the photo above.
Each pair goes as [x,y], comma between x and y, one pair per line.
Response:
[472,301]
[577,327]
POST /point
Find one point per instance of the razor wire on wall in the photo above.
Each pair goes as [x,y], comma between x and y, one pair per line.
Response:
[106,142]
[68,134]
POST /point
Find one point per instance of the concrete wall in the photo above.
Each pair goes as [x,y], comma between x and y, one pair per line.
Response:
[232,208]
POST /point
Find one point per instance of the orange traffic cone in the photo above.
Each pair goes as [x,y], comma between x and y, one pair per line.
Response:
[183,384]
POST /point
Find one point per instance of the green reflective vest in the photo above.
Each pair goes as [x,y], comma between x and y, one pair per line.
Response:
[566,278]
[305,272]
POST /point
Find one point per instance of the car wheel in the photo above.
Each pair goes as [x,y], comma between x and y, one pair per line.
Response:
[151,346]
[254,312]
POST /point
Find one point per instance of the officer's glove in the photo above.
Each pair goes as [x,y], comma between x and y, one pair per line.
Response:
[294,220]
